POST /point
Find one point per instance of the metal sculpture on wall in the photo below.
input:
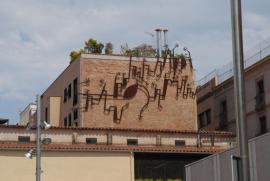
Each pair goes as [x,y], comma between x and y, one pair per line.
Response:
[167,69]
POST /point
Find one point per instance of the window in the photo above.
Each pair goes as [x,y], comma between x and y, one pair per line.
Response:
[69,120]
[75,91]
[109,139]
[201,120]
[46,114]
[132,141]
[91,141]
[180,143]
[75,114]
[260,87]
[69,91]
[204,118]
[24,139]
[263,125]
[260,102]
[65,95]
[65,122]
[223,119]
[208,116]
[158,140]
[223,106]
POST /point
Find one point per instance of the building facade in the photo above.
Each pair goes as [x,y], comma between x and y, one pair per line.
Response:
[140,109]
[28,114]
[215,101]
[106,154]
[123,92]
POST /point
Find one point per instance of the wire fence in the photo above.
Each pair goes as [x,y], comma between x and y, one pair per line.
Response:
[225,72]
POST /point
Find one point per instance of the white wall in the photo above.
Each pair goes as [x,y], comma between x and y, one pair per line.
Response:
[218,167]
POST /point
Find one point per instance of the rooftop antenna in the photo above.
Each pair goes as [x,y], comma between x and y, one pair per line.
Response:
[153,38]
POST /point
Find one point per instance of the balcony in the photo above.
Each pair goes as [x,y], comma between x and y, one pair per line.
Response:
[260,102]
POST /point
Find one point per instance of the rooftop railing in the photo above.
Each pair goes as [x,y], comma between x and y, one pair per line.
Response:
[251,57]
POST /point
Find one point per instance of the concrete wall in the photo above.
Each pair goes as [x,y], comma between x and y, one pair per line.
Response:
[68,166]
[218,167]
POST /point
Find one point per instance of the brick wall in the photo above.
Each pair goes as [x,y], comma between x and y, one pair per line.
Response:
[173,113]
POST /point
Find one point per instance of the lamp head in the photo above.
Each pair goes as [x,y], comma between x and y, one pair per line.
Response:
[46,125]
[29,154]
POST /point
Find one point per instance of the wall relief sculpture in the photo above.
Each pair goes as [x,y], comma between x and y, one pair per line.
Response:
[151,78]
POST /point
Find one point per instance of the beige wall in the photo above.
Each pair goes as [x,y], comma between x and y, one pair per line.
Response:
[68,166]
[56,90]
[54,110]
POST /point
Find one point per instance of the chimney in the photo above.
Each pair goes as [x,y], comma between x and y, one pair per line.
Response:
[165,31]
[158,33]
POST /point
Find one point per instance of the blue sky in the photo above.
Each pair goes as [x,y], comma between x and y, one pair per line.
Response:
[36,36]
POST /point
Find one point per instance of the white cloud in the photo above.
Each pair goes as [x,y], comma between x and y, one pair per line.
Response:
[37,36]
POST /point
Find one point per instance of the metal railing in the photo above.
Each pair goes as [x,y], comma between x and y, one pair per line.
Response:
[225,72]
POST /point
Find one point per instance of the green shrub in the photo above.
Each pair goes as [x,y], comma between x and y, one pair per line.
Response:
[159,179]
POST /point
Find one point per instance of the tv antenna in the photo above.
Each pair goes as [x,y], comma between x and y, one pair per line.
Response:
[153,38]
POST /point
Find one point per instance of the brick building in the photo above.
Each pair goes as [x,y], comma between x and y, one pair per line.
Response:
[123,92]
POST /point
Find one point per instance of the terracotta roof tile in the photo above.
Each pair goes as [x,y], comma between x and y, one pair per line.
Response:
[202,132]
[121,148]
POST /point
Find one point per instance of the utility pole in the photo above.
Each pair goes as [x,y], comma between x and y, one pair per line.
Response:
[239,89]
[38,141]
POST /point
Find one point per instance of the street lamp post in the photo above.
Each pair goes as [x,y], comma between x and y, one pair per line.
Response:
[239,90]
[38,141]
[30,153]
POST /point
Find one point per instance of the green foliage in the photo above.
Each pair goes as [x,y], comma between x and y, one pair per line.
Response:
[125,50]
[180,56]
[74,54]
[143,50]
[109,48]
[150,179]
[92,46]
